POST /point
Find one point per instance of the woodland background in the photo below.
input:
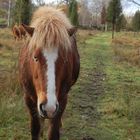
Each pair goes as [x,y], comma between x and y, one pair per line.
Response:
[104,104]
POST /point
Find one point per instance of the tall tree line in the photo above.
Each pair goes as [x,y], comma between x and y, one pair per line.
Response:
[103,18]
[5,11]
[22,11]
[73,14]
[114,12]
[136,22]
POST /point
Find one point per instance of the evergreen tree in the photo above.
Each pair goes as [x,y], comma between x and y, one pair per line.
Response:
[22,11]
[26,12]
[121,23]
[136,22]
[113,13]
[73,15]
[103,16]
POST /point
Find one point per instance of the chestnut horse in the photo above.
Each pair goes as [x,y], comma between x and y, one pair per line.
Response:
[18,32]
[48,67]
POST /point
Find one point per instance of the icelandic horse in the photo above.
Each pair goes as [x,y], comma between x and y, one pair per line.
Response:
[49,65]
[18,32]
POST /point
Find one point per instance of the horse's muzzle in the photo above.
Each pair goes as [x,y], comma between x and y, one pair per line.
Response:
[49,114]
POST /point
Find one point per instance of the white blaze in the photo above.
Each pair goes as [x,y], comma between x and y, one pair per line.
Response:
[51,57]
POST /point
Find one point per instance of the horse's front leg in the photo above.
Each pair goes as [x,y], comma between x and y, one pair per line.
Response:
[55,124]
[36,122]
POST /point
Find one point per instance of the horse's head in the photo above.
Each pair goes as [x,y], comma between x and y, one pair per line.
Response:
[43,73]
[43,68]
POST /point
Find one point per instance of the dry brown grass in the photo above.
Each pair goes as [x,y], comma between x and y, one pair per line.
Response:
[83,34]
[9,44]
[9,49]
[86,33]
[7,40]
[127,41]
[127,48]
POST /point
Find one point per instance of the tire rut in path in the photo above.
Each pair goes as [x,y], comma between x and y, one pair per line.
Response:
[93,90]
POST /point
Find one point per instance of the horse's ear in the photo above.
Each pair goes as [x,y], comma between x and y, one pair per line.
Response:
[28,29]
[72,31]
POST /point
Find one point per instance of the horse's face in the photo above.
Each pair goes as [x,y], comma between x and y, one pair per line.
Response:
[43,65]
[43,72]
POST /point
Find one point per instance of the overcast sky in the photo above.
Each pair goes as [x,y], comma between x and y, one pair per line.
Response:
[129,8]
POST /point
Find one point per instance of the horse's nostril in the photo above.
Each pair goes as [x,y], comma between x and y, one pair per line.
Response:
[48,112]
[56,110]
[42,108]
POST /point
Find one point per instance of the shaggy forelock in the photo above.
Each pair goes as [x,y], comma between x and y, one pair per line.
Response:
[51,27]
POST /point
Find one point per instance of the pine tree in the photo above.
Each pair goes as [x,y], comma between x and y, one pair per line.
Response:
[113,13]
[103,17]
[26,12]
[121,23]
[22,11]
[136,21]
[73,14]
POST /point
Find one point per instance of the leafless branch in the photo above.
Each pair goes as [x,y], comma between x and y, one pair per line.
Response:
[135,2]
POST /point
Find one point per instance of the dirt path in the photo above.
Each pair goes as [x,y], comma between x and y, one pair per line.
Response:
[93,89]
[83,98]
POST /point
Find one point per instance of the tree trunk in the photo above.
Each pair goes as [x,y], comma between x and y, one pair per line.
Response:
[113,28]
[106,27]
[9,13]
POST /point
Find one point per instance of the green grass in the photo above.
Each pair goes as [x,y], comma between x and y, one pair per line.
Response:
[118,106]
[2,21]
[103,104]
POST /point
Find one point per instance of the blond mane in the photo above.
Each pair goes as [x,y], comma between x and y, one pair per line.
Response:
[51,27]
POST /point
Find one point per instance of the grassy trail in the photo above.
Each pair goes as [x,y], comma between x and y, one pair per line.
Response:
[106,97]
[117,103]
[103,104]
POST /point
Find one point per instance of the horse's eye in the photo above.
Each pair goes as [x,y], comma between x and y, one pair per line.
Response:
[35,58]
